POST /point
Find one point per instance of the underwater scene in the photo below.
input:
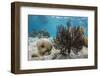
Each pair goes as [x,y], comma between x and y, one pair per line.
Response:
[53,37]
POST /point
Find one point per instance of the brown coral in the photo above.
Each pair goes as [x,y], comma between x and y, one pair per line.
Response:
[44,47]
[70,38]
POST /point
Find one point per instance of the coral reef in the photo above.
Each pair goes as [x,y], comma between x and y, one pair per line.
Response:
[39,33]
[53,53]
[44,46]
[70,43]
[70,38]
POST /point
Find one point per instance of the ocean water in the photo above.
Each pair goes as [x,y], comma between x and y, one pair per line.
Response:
[50,23]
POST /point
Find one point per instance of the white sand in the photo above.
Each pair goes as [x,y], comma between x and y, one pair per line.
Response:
[55,53]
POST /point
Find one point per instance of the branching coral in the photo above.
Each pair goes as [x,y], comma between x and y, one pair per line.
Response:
[70,38]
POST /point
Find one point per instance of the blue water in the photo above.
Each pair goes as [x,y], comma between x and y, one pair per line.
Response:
[42,22]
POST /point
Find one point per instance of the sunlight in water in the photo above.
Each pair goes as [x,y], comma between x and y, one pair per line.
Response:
[57,37]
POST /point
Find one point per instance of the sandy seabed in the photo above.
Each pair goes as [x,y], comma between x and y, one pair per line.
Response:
[32,49]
